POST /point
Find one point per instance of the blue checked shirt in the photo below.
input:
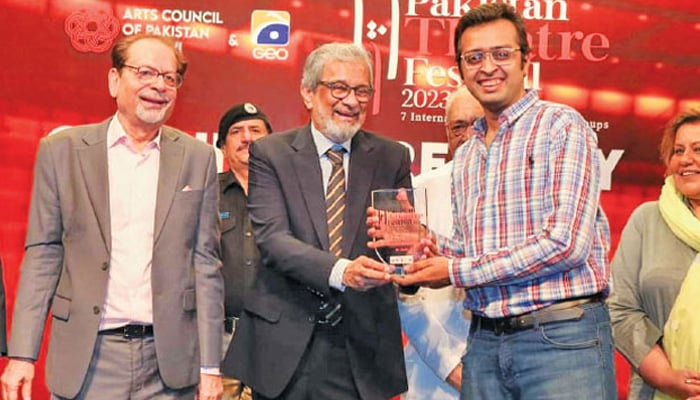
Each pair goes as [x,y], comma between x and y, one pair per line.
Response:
[528,227]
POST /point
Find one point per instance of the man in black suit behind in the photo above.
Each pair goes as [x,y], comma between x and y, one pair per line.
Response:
[321,322]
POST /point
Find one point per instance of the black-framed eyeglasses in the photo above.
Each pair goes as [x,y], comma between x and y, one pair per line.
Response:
[149,75]
[499,56]
[340,90]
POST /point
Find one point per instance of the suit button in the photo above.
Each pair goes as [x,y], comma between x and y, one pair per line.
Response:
[249,234]
[96,310]
[105,265]
[311,318]
[248,263]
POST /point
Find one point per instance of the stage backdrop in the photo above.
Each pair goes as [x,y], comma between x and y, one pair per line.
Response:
[626,65]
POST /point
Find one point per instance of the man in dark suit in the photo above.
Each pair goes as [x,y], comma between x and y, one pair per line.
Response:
[322,322]
[123,246]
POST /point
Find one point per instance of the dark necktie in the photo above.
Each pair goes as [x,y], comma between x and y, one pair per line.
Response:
[335,199]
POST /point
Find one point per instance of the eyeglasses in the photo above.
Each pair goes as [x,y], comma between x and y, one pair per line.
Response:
[149,75]
[499,56]
[340,90]
[459,127]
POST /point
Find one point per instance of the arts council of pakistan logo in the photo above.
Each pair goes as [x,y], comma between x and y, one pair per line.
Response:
[91,31]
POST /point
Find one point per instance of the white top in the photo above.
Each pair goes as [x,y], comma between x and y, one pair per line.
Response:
[133,185]
[434,319]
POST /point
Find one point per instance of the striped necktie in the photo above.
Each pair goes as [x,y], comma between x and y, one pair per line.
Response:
[335,199]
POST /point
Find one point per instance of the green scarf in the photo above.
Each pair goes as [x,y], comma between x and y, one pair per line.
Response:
[682,329]
[678,216]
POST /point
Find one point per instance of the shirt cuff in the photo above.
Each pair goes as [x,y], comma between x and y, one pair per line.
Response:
[450,266]
[455,266]
[210,370]
[336,278]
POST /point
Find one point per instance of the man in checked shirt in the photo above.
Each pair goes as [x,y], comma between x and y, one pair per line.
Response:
[530,240]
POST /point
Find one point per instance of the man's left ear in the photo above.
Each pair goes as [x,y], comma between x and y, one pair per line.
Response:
[526,62]
[113,81]
[306,95]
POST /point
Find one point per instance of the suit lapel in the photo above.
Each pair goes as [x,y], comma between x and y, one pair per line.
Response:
[308,172]
[171,154]
[93,166]
[361,174]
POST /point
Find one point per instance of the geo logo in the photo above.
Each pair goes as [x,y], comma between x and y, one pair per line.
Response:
[270,27]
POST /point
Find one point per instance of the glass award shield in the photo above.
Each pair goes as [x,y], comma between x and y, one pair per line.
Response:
[403,216]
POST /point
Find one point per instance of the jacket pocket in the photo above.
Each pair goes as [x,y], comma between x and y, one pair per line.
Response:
[189,300]
[227,223]
[61,308]
[262,309]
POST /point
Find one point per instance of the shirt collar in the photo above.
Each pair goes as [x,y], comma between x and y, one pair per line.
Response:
[512,113]
[117,135]
[229,180]
[322,143]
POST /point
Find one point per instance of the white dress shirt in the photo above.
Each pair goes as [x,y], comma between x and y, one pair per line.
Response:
[133,184]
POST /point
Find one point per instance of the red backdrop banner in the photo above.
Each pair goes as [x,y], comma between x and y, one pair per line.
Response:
[627,66]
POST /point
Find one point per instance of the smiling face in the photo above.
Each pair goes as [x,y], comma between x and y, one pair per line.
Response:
[336,119]
[496,87]
[684,164]
[144,106]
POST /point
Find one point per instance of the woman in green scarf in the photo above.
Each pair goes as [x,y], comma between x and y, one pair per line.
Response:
[655,304]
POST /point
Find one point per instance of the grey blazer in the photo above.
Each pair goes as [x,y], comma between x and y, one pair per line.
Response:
[66,263]
[287,208]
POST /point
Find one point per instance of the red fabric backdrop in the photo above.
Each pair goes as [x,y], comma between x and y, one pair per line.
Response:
[626,65]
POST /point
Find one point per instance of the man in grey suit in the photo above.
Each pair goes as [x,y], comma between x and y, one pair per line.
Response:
[321,321]
[123,246]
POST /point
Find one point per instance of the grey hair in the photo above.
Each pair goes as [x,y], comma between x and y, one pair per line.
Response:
[453,95]
[348,52]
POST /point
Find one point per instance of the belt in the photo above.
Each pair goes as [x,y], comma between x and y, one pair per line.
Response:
[230,324]
[566,310]
[130,331]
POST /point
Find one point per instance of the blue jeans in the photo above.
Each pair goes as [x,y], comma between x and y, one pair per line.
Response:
[559,360]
